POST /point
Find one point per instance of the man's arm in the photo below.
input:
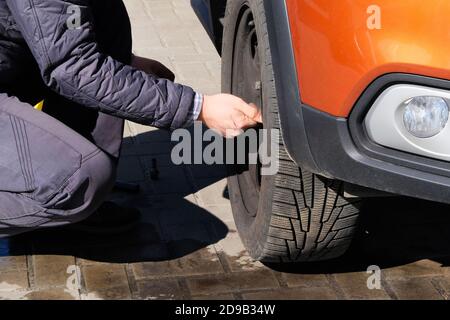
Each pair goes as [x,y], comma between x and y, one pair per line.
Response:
[72,65]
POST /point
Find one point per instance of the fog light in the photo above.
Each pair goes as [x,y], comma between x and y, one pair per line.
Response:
[425,117]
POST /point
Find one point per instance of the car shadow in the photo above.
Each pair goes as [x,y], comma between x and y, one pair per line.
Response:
[392,231]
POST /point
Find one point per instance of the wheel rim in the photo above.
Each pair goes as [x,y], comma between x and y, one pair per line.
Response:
[246,83]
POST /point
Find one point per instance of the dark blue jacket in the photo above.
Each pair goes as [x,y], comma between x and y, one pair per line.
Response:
[88,65]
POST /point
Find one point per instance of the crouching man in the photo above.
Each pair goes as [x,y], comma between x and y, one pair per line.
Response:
[58,165]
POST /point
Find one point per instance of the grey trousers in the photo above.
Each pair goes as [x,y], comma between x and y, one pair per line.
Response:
[49,174]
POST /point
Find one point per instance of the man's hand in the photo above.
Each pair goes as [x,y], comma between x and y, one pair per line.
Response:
[153,67]
[229,115]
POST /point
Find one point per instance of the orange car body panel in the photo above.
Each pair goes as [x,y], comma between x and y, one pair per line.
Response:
[339,53]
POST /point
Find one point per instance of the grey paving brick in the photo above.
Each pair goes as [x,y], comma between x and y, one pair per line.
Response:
[160,289]
[115,293]
[165,186]
[212,192]
[100,277]
[422,268]
[176,40]
[136,8]
[321,293]
[127,133]
[130,170]
[305,280]
[13,281]
[193,70]
[222,212]
[225,283]
[215,297]
[208,171]
[354,285]
[53,294]
[188,213]
[148,39]
[415,289]
[202,262]
[170,201]
[200,232]
[13,263]
[443,284]
[51,271]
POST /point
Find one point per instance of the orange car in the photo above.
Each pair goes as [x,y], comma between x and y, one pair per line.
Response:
[360,90]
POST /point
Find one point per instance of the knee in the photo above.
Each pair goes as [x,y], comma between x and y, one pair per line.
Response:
[89,187]
[99,173]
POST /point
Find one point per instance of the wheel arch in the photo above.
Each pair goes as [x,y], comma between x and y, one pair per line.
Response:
[210,13]
[287,86]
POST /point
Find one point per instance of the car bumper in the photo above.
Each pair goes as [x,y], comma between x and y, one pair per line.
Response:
[340,149]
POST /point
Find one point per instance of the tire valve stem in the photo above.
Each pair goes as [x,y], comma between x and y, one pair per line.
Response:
[154,172]
[251,23]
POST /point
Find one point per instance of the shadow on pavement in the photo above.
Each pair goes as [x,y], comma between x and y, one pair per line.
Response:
[392,232]
[171,225]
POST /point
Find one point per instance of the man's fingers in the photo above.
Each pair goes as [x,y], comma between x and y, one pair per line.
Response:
[243,122]
[249,123]
[251,111]
[258,118]
[232,133]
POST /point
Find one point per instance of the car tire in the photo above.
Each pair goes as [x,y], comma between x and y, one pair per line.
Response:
[294,215]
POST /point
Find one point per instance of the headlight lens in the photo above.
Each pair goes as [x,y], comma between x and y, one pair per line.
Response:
[425,117]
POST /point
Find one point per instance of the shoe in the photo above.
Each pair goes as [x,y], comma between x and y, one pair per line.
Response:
[109,219]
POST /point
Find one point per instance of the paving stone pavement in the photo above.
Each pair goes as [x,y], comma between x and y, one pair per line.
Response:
[187,246]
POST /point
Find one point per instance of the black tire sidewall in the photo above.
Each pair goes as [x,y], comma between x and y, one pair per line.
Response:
[253,230]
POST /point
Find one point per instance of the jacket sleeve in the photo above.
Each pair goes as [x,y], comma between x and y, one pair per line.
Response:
[72,65]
